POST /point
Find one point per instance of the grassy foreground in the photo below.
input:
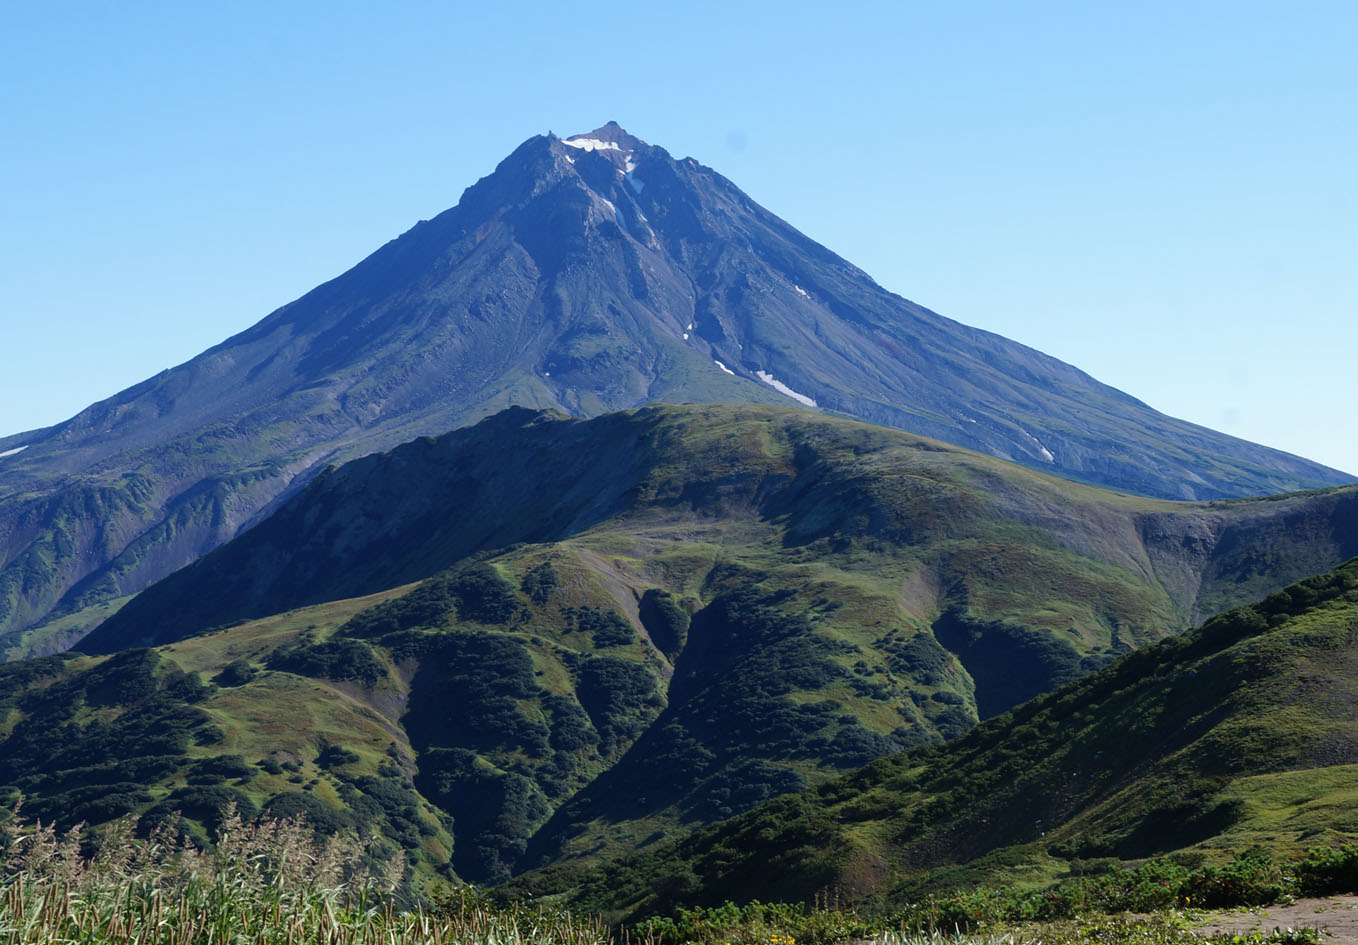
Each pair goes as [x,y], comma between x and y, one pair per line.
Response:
[264,882]
[272,881]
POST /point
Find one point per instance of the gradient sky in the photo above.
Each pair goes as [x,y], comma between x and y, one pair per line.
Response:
[1163,194]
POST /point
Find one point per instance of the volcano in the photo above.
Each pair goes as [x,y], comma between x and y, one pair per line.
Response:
[585,274]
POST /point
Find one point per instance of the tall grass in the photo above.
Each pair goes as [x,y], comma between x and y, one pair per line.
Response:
[263,882]
[273,882]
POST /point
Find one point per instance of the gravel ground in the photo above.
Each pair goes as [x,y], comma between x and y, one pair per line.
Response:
[1336,916]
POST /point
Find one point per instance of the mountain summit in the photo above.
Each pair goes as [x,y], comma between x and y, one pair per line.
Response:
[609,138]
[586,274]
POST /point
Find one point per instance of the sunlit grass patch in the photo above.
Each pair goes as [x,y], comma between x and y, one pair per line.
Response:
[263,882]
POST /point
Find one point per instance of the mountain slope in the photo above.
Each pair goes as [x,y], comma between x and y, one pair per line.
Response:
[1242,731]
[190,729]
[814,488]
[585,274]
[798,594]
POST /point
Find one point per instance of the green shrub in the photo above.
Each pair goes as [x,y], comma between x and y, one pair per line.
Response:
[605,627]
[620,696]
[338,659]
[496,811]
[236,673]
[483,595]
[467,692]
[1329,870]
[539,582]
[764,923]
[665,620]
[227,766]
[335,756]
[1252,878]
[323,819]
[205,804]
[427,605]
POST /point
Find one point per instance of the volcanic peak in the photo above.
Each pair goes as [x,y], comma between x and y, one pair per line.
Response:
[609,137]
[612,142]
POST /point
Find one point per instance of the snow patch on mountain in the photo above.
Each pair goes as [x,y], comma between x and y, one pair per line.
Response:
[801,292]
[779,386]
[17,449]
[591,144]
[1046,453]
[723,367]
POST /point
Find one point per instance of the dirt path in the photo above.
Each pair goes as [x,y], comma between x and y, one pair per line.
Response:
[1336,916]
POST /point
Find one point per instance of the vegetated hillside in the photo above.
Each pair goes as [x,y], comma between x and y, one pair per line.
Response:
[976,549]
[194,729]
[585,274]
[795,596]
[452,719]
[1240,732]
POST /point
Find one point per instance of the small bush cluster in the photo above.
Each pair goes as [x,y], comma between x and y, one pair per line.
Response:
[1253,877]
[782,924]
[665,620]
[604,626]
[474,592]
[1082,909]
[1329,870]
[757,923]
[539,583]
[339,659]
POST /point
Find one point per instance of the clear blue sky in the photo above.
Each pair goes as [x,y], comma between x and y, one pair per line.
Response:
[1164,194]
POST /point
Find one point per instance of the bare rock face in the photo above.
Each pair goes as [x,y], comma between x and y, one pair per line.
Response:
[585,274]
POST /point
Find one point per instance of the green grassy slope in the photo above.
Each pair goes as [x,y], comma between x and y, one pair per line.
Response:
[448,720]
[804,594]
[961,532]
[1240,732]
[193,727]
